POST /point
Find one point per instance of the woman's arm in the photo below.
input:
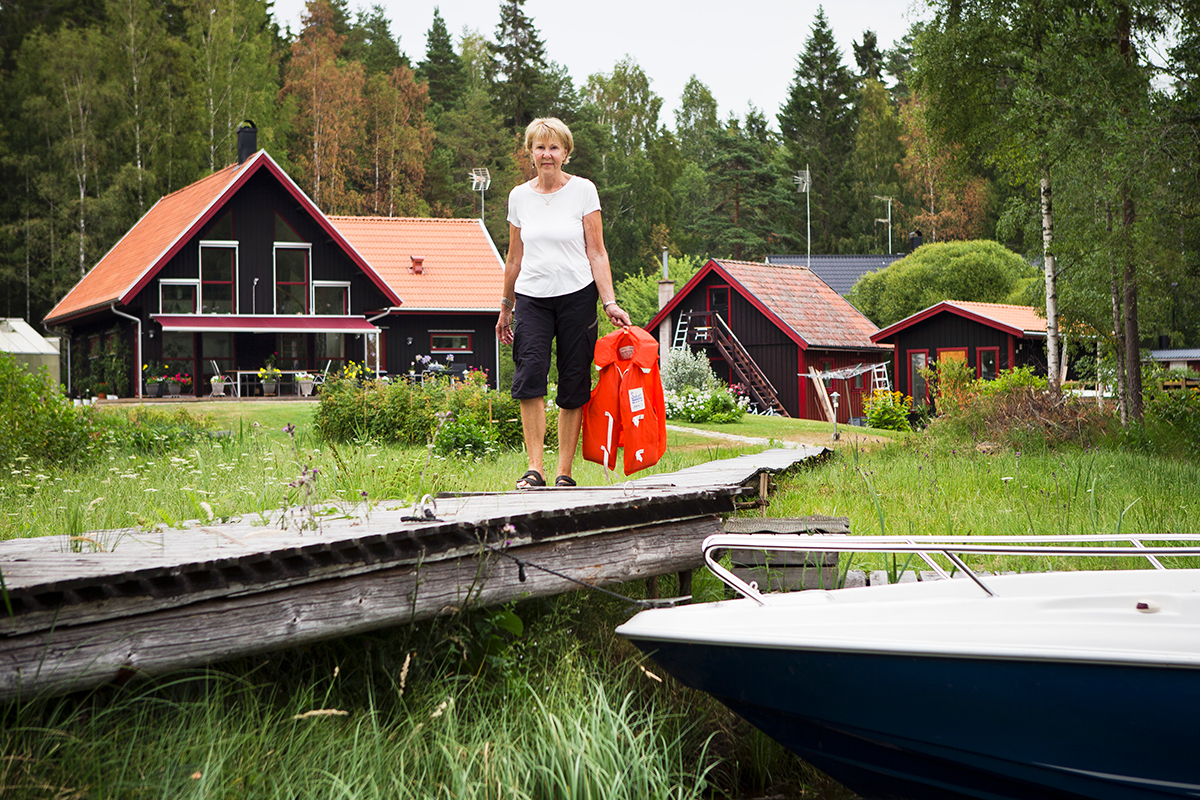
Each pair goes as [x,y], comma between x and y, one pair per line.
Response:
[593,239]
[512,268]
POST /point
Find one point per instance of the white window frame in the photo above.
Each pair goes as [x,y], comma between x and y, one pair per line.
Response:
[468,332]
[224,244]
[314,285]
[193,282]
[275,274]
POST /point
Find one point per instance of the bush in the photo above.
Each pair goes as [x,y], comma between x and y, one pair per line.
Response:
[406,413]
[1172,423]
[705,405]
[465,439]
[888,411]
[1011,380]
[38,424]
[151,430]
[687,369]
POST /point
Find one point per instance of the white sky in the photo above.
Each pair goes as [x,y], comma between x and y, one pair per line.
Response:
[744,53]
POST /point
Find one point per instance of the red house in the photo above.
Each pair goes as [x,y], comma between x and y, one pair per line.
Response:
[988,337]
[780,320]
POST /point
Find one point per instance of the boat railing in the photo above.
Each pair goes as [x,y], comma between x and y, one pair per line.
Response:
[1148,546]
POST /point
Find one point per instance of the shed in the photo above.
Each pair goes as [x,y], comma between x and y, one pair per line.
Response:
[18,338]
[988,337]
[785,320]
[1179,358]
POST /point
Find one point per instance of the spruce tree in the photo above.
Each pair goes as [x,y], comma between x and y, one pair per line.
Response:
[519,66]
[817,123]
[442,68]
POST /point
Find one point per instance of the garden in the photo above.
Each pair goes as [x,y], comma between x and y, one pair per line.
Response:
[536,699]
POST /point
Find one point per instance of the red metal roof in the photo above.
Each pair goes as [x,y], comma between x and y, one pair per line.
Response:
[246,323]
[1019,321]
[168,226]
[799,302]
[459,268]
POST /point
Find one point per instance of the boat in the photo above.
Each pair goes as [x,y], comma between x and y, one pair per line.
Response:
[1060,684]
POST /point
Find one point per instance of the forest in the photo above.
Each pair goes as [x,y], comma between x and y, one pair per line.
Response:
[1069,132]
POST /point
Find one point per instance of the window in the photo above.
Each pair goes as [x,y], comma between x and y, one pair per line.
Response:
[718,303]
[827,366]
[331,298]
[988,359]
[293,351]
[857,382]
[450,341]
[291,280]
[330,347]
[917,361]
[179,351]
[284,232]
[216,347]
[958,354]
[222,230]
[218,276]
[177,297]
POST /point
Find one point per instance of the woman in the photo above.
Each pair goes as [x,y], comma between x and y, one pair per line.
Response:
[556,270]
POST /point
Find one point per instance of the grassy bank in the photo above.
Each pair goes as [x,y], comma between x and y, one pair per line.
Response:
[537,700]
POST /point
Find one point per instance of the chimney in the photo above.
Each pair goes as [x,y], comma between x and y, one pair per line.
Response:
[247,140]
[418,265]
[915,240]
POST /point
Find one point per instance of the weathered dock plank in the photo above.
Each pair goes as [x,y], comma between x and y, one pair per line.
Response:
[148,601]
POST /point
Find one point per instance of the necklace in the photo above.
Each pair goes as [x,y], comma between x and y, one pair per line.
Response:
[549,196]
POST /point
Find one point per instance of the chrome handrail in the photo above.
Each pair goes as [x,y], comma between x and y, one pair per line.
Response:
[951,547]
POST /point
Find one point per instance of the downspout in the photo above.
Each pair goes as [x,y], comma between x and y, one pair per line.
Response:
[138,354]
[379,344]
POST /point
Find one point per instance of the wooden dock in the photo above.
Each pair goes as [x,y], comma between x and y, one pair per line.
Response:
[113,604]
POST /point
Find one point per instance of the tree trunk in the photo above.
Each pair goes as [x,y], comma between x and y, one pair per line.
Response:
[1133,356]
[1118,313]
[1052,344]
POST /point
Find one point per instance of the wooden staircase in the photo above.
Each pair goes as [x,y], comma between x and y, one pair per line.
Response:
[707,327]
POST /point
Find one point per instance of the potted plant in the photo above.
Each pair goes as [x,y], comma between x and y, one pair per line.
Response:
[306,381]
[269,374]
[176,382]
[154,378]
[219,382]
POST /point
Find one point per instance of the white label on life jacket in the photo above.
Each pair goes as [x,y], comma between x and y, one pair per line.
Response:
[637,399]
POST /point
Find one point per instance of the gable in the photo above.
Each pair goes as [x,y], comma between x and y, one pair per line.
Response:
[1019,321]
[177,221]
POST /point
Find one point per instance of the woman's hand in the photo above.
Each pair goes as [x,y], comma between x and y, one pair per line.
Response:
[618,316]
[504,326]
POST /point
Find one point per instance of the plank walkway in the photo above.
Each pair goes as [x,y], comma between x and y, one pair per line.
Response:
[112,604]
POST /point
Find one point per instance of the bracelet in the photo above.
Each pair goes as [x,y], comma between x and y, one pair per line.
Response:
[609,303]
[509,304]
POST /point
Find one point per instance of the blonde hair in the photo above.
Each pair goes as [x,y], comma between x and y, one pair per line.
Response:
[550,129]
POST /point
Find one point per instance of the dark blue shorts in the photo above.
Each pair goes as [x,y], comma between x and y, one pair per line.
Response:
[570,320]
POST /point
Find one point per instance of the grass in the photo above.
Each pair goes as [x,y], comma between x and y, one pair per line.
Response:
[463,706]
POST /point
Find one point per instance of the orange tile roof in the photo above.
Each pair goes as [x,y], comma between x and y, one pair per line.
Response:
[167,226]
[145,244]
[460,268]
[1015,320]
[802,304]
[1024,318]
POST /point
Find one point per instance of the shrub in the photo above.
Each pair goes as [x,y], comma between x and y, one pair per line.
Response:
[687,369]
[38,423]
[953,383]
[888,411]
[1172,422]
[705,405]
[401,412]
[1010,380]
[465,439]
[151,430]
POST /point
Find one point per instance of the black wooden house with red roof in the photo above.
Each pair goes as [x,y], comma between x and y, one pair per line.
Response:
[785,320]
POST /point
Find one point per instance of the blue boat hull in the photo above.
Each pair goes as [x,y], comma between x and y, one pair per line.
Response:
[905,726]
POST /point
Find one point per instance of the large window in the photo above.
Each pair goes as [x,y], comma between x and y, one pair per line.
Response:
[330,347]
[293,351]
[218,276]
[216,347]
[330,297]
[291,280]
[179,352]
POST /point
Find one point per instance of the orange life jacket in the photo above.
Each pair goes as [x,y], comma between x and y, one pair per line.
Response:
[627,408]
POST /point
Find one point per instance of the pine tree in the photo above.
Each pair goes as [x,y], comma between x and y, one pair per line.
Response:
[442,68]
[868,58]
[817,123]
[371,43]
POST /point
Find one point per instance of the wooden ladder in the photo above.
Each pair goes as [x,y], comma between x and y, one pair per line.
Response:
[717,333]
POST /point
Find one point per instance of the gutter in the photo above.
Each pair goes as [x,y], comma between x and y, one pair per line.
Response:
[378,345]
[138,321]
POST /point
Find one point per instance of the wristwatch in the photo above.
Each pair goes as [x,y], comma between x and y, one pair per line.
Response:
[509,304]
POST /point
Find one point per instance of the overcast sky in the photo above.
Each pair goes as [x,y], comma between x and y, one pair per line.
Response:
[745,52]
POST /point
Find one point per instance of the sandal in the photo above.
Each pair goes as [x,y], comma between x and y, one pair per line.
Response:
[564,481]
[531,480]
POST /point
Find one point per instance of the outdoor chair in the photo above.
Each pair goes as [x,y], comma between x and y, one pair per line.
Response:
[231,381]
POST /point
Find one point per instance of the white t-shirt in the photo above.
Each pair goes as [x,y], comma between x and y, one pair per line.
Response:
[555,258]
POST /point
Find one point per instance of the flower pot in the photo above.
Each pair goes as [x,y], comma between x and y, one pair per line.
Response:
[268,388]
[306,388]
[153,389]
[173,389]
[218,388]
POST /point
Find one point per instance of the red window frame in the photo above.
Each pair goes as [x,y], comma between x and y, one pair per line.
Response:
[979,351]
[924,399]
